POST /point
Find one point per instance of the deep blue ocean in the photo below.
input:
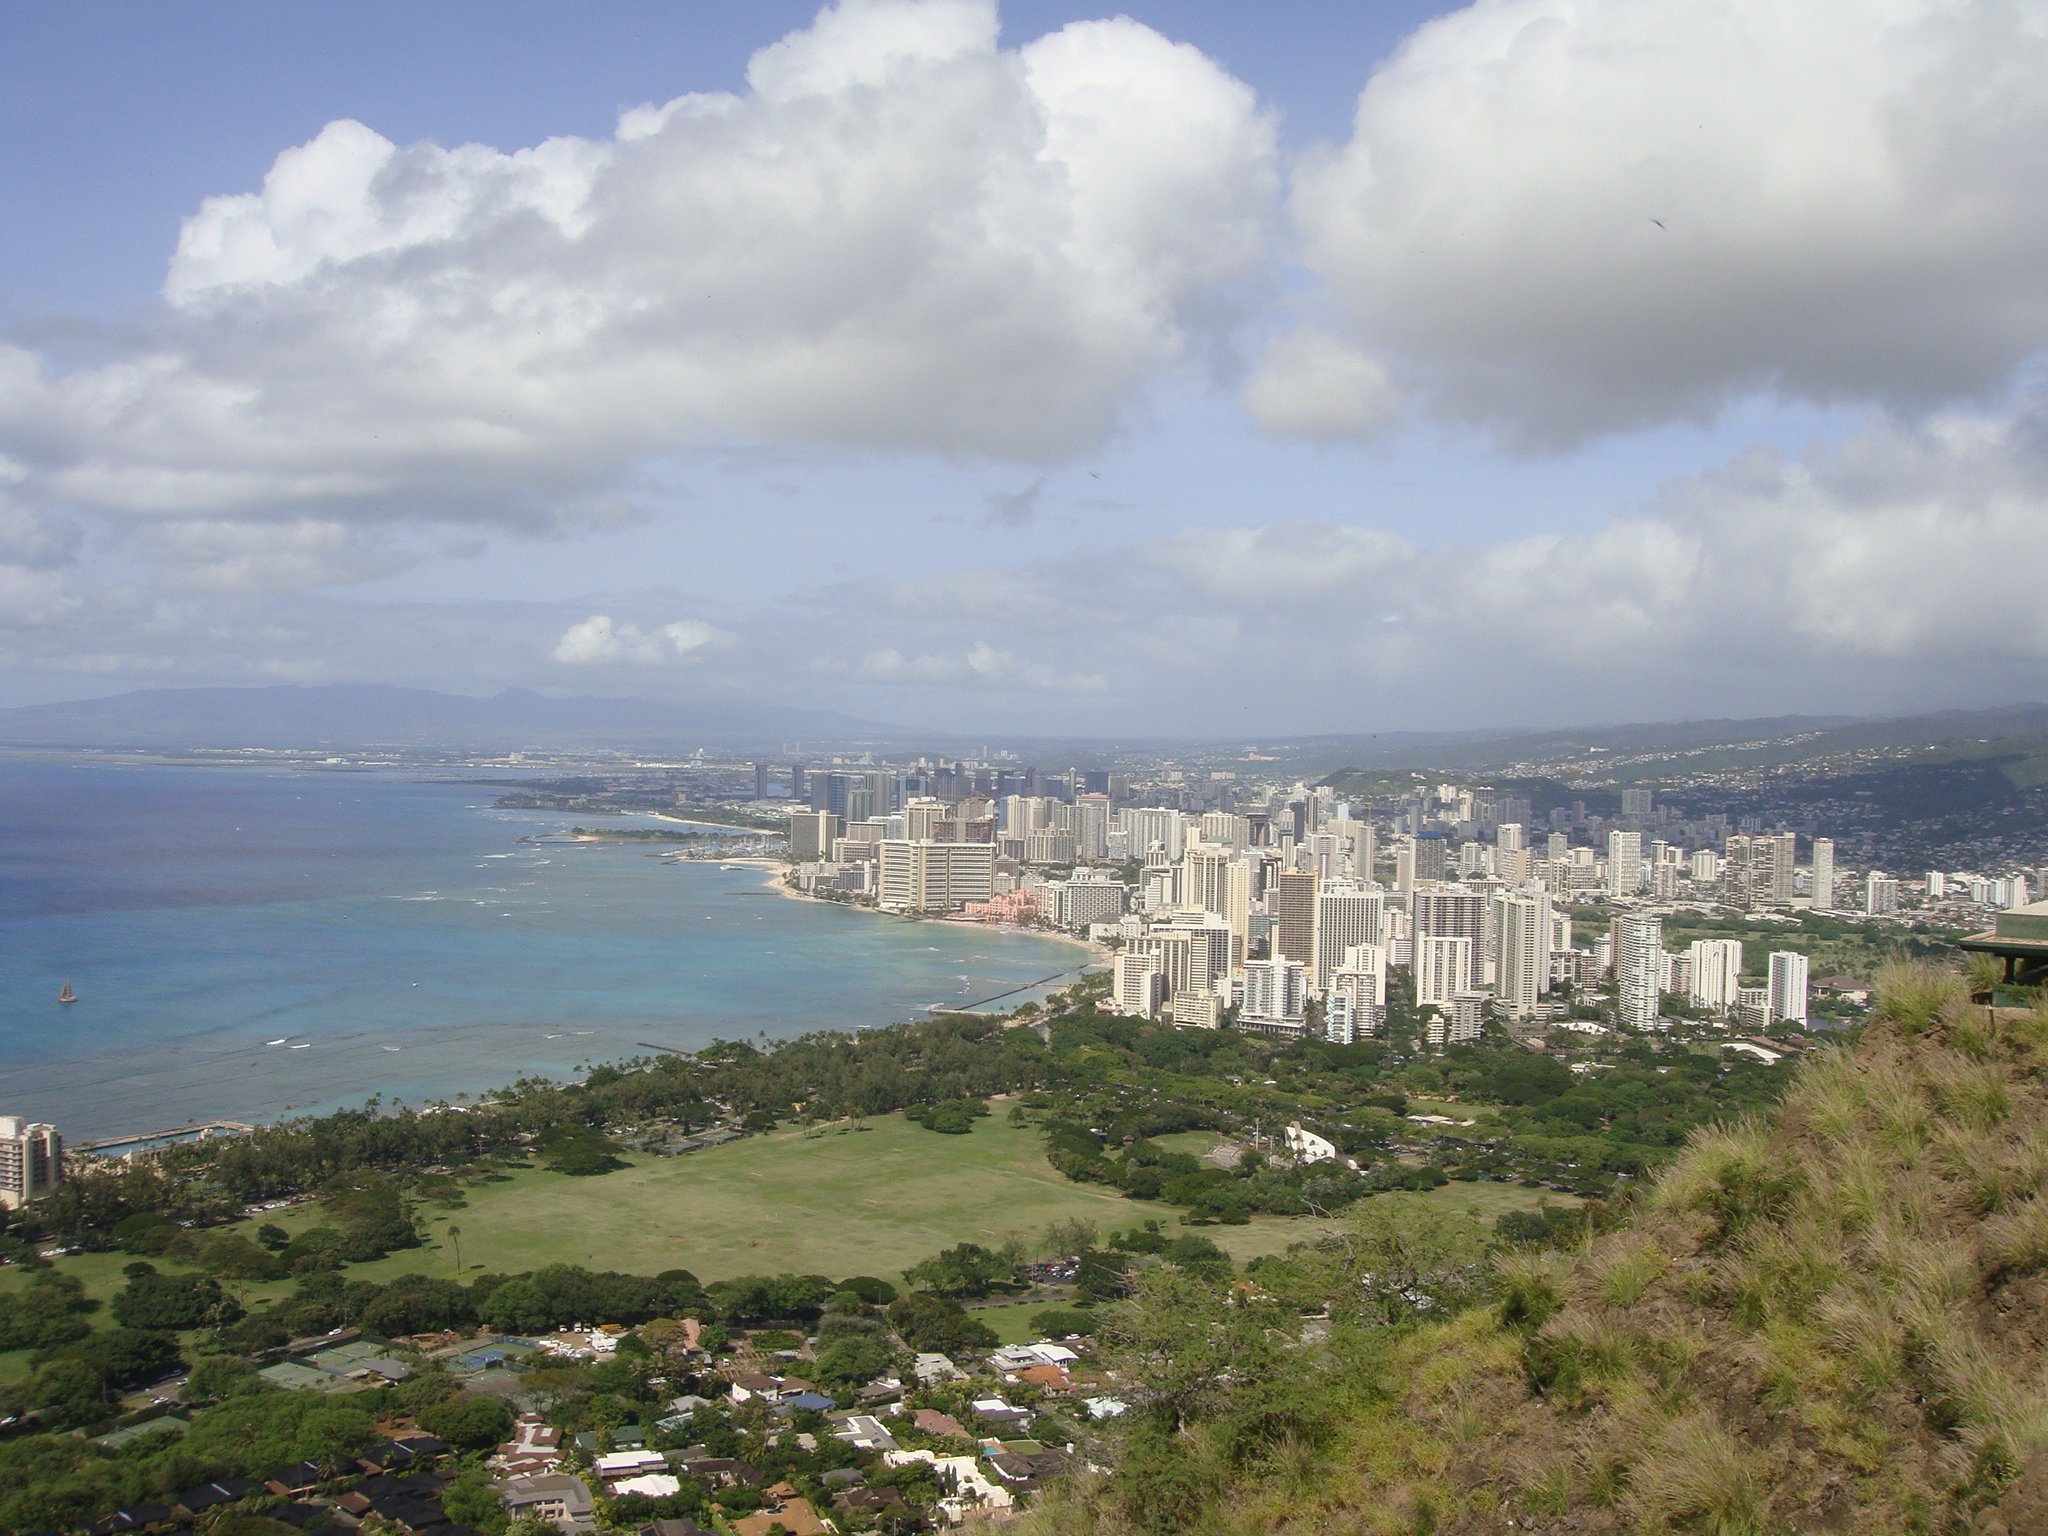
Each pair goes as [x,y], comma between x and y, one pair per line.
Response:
[397,938]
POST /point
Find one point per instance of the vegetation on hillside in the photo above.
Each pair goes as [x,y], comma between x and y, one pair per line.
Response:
[1821,1317]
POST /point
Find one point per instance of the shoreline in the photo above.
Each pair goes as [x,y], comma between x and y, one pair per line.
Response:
[776,867]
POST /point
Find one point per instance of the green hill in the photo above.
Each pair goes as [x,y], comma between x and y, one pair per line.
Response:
[1830,1318]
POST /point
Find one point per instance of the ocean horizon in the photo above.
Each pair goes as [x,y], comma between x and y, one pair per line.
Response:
[252,942]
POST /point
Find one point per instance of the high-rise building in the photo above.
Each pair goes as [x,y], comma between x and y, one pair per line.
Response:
[760,781]
[918,876]
[1140,985]
[1354,1007]
[1788,986]
[1638,948]
[1346,917]
[1635,802]
[1443,968]
[1509,836]
[1716,972]
[1880,894]
[1450,915]
[1937,883]
[1624,862]
[1091,826]
[1404,865]
[1089,896]
[1147,825]
[812,834]
[1432,855]
[1824,873]
[31,1161]
[799,788]
[1275,996]
[1522,972]
[1293,907]
[1468,1017]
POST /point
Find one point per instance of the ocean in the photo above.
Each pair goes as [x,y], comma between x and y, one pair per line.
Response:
[251,942]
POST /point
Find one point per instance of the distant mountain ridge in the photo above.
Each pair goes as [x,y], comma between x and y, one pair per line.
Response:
[361,715]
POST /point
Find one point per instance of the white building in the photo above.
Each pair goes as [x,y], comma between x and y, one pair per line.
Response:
[1522,973]
[31,1161]
[1140,985]
[1468,1016]
[1716,972]
[1624,863]
[1443,968]
[1345,918]
[1824,873]
[933,877]
[1787,987]
[1639,944]
[1880,894]
[1275,994]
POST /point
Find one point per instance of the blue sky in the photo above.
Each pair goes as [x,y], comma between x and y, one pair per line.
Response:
[1619,359]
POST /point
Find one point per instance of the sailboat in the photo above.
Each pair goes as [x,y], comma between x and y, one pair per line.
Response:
[67,995]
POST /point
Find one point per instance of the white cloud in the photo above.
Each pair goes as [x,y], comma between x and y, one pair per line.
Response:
[1562,217]
[599,642]
[899,237]
[1312,384]
[981,666]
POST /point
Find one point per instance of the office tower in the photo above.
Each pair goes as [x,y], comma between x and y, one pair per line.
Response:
[31,1161]
[1140,985]
[1522,973]
[1880,894]
[1824,873]
[1091,826]
[1293,905]
[812,834]
[933,877]
[1404,865]
[1325,852]
[799,787]
[1639,945]
[1716,972]
[1624,863]
[1432,853]
[1443,968]
[1345,919]
[1635,802]
[1274,996]
[1788,986]
[760,781]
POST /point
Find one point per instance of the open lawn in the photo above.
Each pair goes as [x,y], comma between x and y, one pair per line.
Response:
[839,1202]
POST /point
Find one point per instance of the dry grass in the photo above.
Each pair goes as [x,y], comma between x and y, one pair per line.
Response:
[1912,993]
[1696,1476]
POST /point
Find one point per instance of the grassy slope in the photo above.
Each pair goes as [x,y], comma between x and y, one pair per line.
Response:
[1832,1321]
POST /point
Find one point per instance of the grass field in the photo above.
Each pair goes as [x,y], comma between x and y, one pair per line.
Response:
[838,1202]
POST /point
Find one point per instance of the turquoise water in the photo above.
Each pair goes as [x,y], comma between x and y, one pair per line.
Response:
[398,938]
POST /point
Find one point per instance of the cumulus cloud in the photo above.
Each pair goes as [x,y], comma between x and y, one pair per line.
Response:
[899,236]
[1565,217]
[1312,384]
[599,642]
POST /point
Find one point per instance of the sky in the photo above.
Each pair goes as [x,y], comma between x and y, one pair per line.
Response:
[1193,369]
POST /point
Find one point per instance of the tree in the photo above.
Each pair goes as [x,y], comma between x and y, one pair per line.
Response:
[466,1420]
[580,1152]
[273,1237]
[47,1312]
[151,1300]
[966,1270]
[217,1376]
[854,1360]
[455,1242]
[473,1500]
[933,1324]
[1395,1257]
[1074,1235]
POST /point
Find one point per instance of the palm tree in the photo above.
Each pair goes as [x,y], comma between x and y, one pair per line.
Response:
[455,1237]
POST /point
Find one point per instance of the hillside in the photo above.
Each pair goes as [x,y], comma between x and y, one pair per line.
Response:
[1833,1318]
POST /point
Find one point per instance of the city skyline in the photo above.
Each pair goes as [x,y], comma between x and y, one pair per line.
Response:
[1190,371]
